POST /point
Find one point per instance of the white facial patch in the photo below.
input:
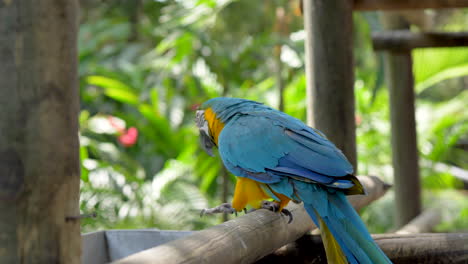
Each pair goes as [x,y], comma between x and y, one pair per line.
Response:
[202,124]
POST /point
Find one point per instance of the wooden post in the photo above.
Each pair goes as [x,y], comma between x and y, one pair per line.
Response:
[39,161]
[329,71]
[399,77]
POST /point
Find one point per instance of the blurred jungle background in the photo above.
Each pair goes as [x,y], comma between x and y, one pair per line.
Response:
[146,65]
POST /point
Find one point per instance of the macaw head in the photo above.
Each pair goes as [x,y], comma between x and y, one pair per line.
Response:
[212,117]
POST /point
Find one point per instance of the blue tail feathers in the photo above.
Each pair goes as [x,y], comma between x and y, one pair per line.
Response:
[347,228]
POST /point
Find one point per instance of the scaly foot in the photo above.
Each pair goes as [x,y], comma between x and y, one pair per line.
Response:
[274,207]
[222,208]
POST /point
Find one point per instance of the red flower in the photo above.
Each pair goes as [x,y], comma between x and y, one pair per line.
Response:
[358,120]
[129,138]
[195,107]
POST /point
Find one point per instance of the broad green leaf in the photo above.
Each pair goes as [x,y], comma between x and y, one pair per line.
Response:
[114,89]
[84,156]
[155,100]
[438,64]
[453,72]
[210,178]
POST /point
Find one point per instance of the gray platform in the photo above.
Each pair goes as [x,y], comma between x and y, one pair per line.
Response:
[106,246]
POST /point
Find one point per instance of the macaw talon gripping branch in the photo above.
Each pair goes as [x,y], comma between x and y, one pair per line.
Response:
[222,208]
[274,207]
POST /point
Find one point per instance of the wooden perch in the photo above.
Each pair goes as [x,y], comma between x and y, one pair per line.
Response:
[375,189]
[423,223]
[372,5]
[409,248]
[405,40]
[244,239]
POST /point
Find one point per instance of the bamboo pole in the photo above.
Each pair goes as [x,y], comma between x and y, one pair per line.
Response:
[244,239]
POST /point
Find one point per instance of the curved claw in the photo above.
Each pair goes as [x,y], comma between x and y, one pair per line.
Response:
[274,207]
[288,213]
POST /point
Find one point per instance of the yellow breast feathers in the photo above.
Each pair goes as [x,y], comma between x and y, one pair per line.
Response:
[214,124]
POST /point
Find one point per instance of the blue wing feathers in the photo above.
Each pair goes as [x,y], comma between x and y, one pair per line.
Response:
[297,172]
[278,143]
[262,143]
[324,148]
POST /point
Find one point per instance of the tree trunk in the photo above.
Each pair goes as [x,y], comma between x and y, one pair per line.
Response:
[39,161]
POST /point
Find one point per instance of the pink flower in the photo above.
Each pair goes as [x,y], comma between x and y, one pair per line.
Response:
[195,107]
[358,120]
[129,138]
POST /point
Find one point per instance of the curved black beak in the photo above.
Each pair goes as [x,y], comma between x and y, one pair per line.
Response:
[206,143]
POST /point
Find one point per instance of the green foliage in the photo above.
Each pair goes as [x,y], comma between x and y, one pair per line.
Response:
[148,64]
[435,65]
[182,58]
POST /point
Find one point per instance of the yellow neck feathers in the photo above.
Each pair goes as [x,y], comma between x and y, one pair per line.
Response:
[214,124]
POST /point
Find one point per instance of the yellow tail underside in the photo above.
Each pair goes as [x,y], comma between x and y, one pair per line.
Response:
[332,249]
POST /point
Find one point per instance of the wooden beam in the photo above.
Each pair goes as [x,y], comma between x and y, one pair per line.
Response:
[405,40]
[244,239]
[400,82]
[39,149]
[373,5]
[329,72]
[412,248]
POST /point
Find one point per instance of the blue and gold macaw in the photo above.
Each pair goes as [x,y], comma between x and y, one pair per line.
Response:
[276,156]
